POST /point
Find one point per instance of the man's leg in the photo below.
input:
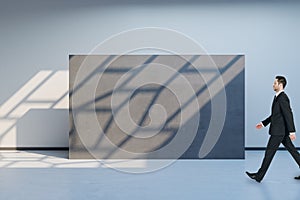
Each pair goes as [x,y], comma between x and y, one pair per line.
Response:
[292,149]
[273,144]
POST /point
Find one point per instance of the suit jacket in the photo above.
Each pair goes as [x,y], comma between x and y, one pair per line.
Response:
[281,119]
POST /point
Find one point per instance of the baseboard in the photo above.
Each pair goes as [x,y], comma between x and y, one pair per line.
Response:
[36,148]
[264,148]
[67,148]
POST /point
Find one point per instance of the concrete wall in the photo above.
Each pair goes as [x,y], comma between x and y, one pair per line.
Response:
[157,106]
[36,38]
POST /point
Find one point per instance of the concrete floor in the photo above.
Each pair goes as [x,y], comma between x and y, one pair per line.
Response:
[50,175]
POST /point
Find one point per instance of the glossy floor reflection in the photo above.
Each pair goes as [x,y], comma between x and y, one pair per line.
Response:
[49,175]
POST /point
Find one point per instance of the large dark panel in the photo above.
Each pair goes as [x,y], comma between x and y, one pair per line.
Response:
[157,106]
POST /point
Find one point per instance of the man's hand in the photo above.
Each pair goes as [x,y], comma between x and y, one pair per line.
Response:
[293,137]
[259,126]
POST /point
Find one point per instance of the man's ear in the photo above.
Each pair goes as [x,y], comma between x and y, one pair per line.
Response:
[281,85]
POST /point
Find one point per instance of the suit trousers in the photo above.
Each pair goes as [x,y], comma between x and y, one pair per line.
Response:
[272,147]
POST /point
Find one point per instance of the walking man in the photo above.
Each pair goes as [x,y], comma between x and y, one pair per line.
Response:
[282,129]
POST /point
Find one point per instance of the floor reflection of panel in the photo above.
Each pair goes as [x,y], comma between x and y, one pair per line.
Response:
[157,106]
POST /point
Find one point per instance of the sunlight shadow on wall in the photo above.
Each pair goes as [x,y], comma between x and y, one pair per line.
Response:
[47,90]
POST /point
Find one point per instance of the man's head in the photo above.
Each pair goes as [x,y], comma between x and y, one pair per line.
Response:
[279,83]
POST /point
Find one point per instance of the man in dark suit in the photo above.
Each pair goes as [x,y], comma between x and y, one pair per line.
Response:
[282,129]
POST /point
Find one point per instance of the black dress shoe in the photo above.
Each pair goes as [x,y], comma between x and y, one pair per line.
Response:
[253,176]
[297,177]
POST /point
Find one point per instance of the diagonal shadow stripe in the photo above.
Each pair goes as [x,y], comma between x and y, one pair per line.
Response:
[109,93]
[140,69]
[210,140]
[154,99]
[103,64]
[58,100]
[30,93]
[201,90]
[7,131]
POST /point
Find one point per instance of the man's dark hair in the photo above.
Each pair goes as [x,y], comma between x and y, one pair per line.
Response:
[281,79]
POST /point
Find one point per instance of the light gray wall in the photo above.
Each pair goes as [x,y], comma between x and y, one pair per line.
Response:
[37,36]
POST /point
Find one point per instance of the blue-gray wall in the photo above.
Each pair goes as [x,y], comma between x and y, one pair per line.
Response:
[39,35]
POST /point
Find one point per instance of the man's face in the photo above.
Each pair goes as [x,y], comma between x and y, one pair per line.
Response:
[276,86]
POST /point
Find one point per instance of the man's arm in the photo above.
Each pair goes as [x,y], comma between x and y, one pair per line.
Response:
[267,121]
[288,116]
[263,123]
